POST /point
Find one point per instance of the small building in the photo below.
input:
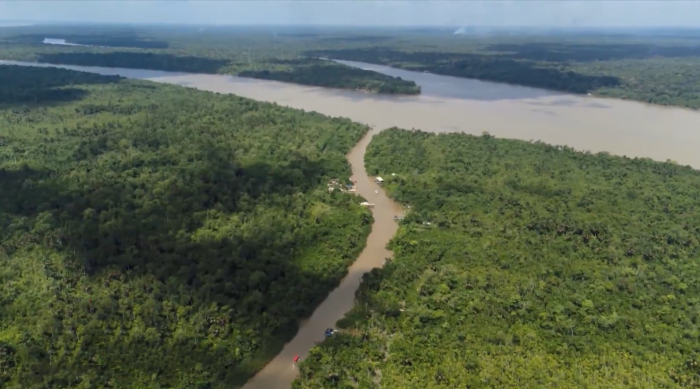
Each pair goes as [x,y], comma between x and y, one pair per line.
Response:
[379,180]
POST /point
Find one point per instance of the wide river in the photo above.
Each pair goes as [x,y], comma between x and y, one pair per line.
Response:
[450,104]
[447,104]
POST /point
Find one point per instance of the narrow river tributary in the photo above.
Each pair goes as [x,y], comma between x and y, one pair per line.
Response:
[447,104]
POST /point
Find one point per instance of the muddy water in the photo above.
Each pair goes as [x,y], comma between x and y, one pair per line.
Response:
[447,105]
[279,373]
[451,104]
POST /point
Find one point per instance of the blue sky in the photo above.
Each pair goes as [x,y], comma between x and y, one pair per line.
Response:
[587,13]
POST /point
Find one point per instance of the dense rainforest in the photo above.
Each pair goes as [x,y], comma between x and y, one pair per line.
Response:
[318,72]
[524,265]
[479,66]
[99,39]
[127,51]
[659,67]
[305,71]
[661,72]
[154,236]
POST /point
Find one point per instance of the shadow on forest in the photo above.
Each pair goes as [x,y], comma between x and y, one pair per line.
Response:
[564,52]
[28,192]
[24,192]
[150,61]
[108,232]
[21,85]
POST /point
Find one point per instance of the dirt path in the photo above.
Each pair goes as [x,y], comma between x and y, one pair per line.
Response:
[279,373]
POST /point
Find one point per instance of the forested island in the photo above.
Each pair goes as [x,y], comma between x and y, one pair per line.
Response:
[524,265]
[305,71]
[329,74]
[659,72]
[478,66]
[655,68]
[142,54]
[154,236]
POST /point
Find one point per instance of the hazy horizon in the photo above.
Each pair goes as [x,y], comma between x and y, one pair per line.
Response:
[25,23]
[363,13]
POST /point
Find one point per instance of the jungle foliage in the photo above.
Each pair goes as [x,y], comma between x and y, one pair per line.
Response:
[524,265]
[135,60]
[660,72]
[129,50]
[482,67]
[99,39]
[317,72]
[654,66]
[154,236]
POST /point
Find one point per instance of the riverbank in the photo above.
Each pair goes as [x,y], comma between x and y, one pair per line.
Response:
[181,233]
[456,106]
[301,71]
[523,265]
[384,69]
[280,373]
[626,72]
[450,104]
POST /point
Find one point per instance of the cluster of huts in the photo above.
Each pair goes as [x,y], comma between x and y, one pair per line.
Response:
[335,184]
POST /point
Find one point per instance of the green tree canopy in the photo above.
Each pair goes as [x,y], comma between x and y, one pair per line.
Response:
[524,265]
[155,236]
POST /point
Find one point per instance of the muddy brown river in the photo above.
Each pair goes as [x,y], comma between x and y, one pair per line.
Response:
[447,104]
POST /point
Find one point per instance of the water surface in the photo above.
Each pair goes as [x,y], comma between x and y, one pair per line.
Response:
[60,42]
[452,104]
[280,372]
[447,104]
